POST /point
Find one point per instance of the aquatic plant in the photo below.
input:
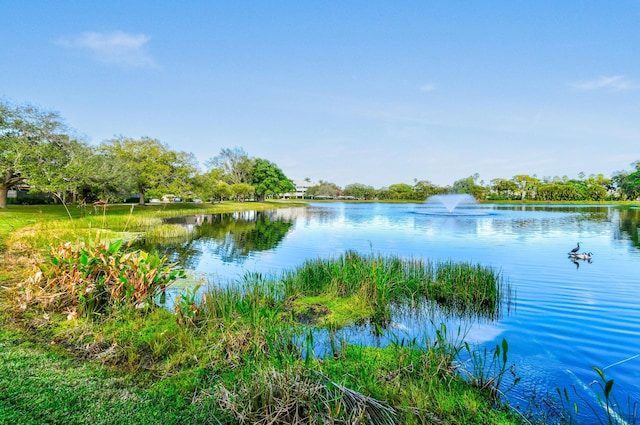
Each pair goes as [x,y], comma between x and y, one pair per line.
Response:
[487,369]
[379,281]
[607,409]
[186,307]
[97,278]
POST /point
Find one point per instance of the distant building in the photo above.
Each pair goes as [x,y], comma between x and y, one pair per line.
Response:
[301,190]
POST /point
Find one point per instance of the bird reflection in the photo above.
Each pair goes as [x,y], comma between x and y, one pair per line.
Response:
[576,262]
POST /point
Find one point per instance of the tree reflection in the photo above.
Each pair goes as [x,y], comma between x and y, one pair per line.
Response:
[629,224]
[231,237]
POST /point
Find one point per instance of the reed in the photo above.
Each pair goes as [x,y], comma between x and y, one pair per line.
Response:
[462,288]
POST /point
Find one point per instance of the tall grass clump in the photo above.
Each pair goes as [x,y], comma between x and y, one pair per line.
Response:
[381,281]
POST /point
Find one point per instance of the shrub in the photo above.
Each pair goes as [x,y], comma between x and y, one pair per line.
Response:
[101,278]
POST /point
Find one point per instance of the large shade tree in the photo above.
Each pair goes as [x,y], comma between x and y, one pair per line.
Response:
[235,165]
[29,139]
[324,189]
[268,179]
[59,168]
[149,163]
[360,191]
[629,182]
[102,177]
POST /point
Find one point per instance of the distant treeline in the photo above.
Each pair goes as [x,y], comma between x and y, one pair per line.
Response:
[622,186]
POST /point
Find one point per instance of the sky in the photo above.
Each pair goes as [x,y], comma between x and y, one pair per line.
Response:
[371,92]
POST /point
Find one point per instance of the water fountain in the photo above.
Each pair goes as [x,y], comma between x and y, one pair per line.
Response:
[452,200]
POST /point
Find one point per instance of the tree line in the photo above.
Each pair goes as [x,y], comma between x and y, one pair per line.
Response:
[624,185]
[37,151]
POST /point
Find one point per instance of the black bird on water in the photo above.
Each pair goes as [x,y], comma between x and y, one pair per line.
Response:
[574,250]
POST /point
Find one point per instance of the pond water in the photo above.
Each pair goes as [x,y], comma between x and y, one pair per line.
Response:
[565,316]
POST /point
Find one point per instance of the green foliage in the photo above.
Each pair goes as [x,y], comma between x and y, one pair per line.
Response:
[268,179]
[382,281]
[98,279]
[149,163]
[234,165]
[629,182]
[469,185]
[241,191]
[487,370]
[360,191]
[324,189]
[33,147]
[186,307]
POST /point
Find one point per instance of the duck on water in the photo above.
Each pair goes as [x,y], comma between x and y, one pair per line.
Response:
[583,256]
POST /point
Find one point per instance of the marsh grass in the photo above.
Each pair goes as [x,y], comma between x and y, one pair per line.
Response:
[379,282]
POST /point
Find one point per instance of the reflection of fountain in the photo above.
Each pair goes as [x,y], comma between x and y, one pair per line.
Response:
[452,200]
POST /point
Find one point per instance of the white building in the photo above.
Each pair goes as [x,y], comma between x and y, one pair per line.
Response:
[301,189]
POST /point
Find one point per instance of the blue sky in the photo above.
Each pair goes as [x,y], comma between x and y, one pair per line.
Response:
[375,92]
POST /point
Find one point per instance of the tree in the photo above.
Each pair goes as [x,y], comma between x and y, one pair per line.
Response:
[184,170]
[104,176]
[324,189]
[503,188]
[59,168]
[204,185]
[150,163]
[241,191]
[469,185]
[401,191]
[235,165]
[424,188]
[558,191]
[28,137]
[360,191]
[629,182]
[221,191]
[268,179]
[527,185]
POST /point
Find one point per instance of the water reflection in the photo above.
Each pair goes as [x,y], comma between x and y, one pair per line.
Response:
[231,237]
[629,225]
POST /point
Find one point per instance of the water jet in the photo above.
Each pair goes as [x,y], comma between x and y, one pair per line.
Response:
[452,200]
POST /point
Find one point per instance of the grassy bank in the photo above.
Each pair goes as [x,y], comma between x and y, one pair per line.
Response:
[244,354]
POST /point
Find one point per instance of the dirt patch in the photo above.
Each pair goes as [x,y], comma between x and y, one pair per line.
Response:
[310,314]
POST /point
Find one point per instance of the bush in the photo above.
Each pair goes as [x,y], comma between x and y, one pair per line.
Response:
[101,278]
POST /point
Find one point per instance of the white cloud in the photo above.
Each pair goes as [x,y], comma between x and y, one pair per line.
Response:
[427,87]
[614,83]
[115,47]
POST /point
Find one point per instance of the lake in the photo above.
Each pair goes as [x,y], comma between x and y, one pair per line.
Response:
[564,317]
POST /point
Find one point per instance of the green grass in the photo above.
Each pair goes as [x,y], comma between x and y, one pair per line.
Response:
[38,226]
[41,386]
[415,379]
[374,283]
